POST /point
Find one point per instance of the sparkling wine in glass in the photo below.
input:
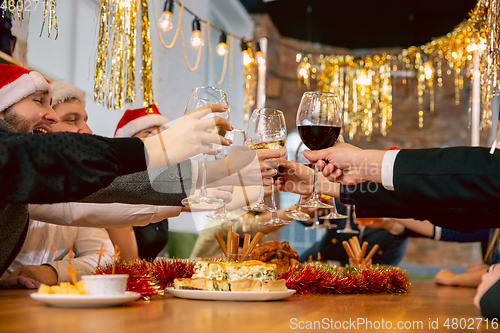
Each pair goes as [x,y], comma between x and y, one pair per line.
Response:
[267,130]
[199,97]
[319,121]
[239,137]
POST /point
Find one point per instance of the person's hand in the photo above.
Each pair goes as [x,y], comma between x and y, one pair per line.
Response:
[488,279]
[476,266]
[348,164]
[445,277]
[254,167]
[187,137]
[297,178]
[42,273]
[224,193]
[18,282]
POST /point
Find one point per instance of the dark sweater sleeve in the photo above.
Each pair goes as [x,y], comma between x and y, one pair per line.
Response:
[58,167]
[164,185]
[490,302]
[456,236]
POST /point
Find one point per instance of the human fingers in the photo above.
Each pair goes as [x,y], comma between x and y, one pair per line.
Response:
[215,139]
[207,150]
[271,153]
[223,122]
[204,110]
[270,164]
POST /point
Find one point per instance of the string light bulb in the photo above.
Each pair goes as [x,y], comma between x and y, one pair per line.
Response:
[363,78]
[246,54]
[258,55]
[195,39]
[428,70]
[222,47]
[165,20]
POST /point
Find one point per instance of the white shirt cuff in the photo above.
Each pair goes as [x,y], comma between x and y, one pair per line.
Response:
[437,233]
[388,169]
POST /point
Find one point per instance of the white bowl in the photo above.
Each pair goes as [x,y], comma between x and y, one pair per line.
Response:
[107,284]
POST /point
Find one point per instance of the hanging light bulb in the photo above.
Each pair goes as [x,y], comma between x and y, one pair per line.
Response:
[298,57]
[428,71]
[258,55]
[165,20]
[363,77]
[246,54]
[196,35]
[222,47]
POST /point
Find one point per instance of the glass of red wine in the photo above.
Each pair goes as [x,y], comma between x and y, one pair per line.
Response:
[319,121]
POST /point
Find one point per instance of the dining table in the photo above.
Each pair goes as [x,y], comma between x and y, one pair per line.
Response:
[426,308]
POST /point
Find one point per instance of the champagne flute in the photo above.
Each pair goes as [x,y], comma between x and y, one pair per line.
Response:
[267,130]
[319,121]
[239,137]
[199,97]
[298,214]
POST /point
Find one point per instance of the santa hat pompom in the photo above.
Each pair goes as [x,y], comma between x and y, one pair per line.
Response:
[63,90]
[135,120]
[17,83]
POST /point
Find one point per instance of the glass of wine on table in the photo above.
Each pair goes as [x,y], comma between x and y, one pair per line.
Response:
[319,121]
[199,97]
[267,130]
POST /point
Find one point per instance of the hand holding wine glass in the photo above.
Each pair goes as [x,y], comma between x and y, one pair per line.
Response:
[161,149]
[319,121]
[267,130]
[207,97]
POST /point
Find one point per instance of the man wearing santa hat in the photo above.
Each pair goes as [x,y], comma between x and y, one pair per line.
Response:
[44,169]
[47,169]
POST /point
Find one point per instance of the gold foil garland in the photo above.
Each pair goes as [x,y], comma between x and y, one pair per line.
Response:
[147,56]
[50,15]
[369,106]
[116,54]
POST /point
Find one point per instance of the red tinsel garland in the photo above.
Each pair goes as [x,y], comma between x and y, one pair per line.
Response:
[150,279]
[351,280]
[139,280]
[166,270]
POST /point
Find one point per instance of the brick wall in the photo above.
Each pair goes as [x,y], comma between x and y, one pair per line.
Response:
[446,126]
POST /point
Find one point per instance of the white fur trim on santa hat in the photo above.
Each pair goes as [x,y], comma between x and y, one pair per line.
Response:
[139,124]
[63,90]
[24,86]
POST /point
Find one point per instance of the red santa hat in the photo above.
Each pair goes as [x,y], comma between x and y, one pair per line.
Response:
[394,148]
[63,90]
[135,120]
[17,83]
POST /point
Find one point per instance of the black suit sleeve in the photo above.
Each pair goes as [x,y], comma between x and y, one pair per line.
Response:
[489,303]
[461,177]
[373,200]
[57,167]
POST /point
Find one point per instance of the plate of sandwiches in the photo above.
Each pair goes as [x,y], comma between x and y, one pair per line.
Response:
[232,281]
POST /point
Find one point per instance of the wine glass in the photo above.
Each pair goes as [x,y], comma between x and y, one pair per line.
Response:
[199,97]
[298,214]
[347,229]
[267,130]
[319,121]
[239,137]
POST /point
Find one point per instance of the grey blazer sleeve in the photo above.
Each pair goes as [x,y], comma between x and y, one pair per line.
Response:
[165,185]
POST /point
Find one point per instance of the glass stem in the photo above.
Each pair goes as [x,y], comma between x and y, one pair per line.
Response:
[314,194]
[261,195]
[348,213]
[274,213]
[300,202]
[203,192]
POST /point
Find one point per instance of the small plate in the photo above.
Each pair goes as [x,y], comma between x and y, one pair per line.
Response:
[230,295]
[85,301]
